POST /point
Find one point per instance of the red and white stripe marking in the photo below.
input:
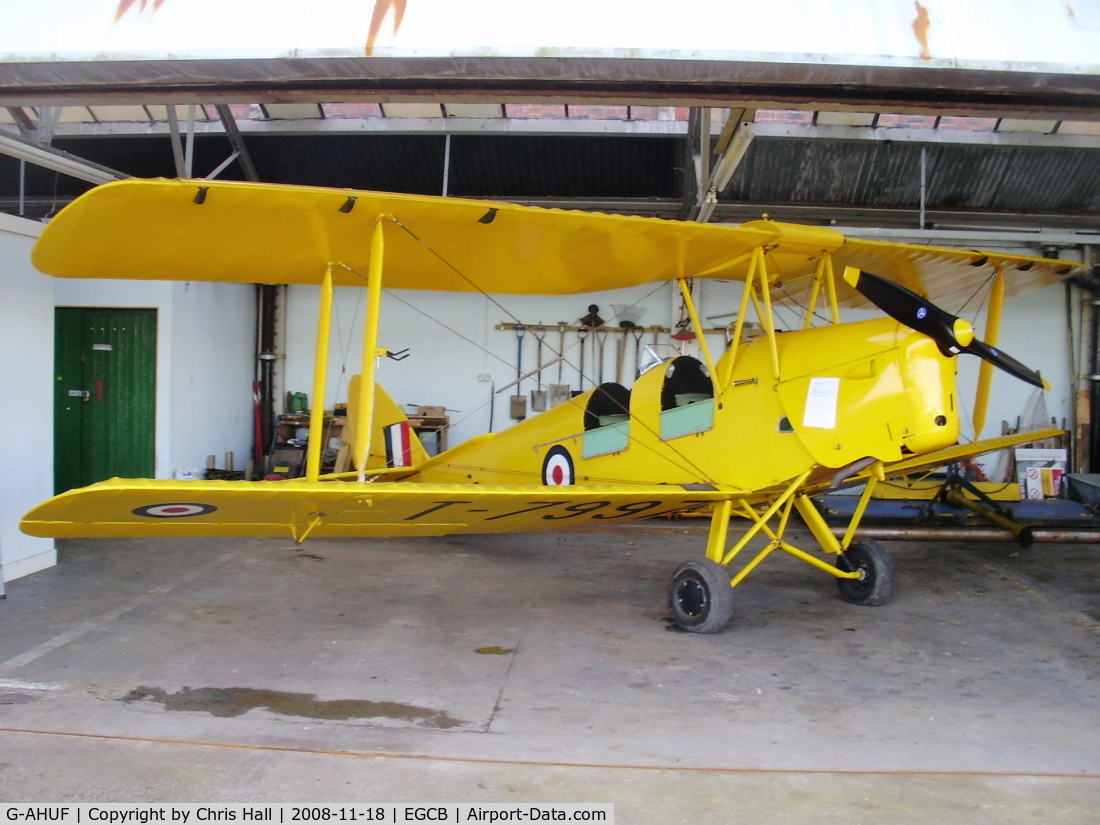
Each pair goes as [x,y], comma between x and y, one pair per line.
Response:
[399,445]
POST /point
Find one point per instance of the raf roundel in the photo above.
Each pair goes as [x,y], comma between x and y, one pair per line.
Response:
[557,468]
[181,510]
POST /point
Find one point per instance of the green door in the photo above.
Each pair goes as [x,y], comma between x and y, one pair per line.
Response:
[104,394]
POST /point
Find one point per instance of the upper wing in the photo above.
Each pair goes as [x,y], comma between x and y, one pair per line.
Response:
[257,233]
[140,507]
[947,276]
[264,233]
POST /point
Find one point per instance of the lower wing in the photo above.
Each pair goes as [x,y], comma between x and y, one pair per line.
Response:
[961,452]
[296,509]
[941,458]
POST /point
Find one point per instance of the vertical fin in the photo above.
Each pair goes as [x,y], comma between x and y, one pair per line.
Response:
[386,415]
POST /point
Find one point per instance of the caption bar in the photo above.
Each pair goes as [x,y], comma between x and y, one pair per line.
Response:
[241,814]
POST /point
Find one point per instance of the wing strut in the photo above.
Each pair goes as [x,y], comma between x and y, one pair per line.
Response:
[685,290]
[756,265]
[320,366]
[371,352]
[992,333]
[823,275]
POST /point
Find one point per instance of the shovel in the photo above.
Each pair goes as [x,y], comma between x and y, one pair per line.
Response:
[620,349]
[582,334]
[559,392]
[518,405]
[538,397]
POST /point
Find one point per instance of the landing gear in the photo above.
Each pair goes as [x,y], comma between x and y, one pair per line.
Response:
[876,584]
[701,593]
[701,597]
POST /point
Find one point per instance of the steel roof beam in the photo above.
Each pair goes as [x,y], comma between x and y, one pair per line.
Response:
[394,126]
[611,128]
[58,161]
[970,137]
[26,125]
[229,123]
[1016,90]
[733,143]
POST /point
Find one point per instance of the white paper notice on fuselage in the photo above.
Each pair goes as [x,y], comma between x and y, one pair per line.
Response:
[821,403]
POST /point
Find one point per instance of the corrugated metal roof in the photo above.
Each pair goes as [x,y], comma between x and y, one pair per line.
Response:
[887,174]
[634,173]
[564,167]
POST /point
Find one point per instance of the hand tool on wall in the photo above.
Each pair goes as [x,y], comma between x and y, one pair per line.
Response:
[582,334]
[560,392]
[620,349]
[518,406]
[589,323]
[538,396]
[518,402]
[601,338]
[638,332]
[592,319]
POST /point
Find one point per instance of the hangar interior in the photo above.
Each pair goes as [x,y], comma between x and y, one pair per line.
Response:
[1017,184]
[459,639]
[1005,183]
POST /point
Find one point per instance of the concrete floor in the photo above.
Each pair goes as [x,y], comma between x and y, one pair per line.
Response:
[540,668]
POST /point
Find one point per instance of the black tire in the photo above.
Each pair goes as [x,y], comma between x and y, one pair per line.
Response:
[877,584]
[700,596]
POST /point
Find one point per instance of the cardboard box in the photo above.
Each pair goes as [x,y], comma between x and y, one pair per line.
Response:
[431,412]
[1040,472]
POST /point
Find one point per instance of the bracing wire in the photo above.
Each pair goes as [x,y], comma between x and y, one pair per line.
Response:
[692,468]
[345,343]
[456,271]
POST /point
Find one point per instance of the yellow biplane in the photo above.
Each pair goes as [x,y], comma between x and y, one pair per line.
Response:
[754,431]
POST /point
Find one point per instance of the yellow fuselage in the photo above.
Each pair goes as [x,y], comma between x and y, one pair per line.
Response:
[842,393]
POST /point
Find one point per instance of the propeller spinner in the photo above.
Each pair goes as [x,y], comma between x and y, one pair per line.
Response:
[952,334]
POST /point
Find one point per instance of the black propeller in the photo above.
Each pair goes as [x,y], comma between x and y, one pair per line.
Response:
[1006,362]
[952,334]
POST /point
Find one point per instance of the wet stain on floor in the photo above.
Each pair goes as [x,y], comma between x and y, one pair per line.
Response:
[16,698]
[236,701]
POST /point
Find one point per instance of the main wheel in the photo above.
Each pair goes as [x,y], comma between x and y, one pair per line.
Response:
[700,596]
[877,583]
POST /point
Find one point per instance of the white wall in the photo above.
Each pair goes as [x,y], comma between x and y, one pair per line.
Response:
[26,368]
[205,354]
[212,344]
[449,353]
[205,357]
[1034,331]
